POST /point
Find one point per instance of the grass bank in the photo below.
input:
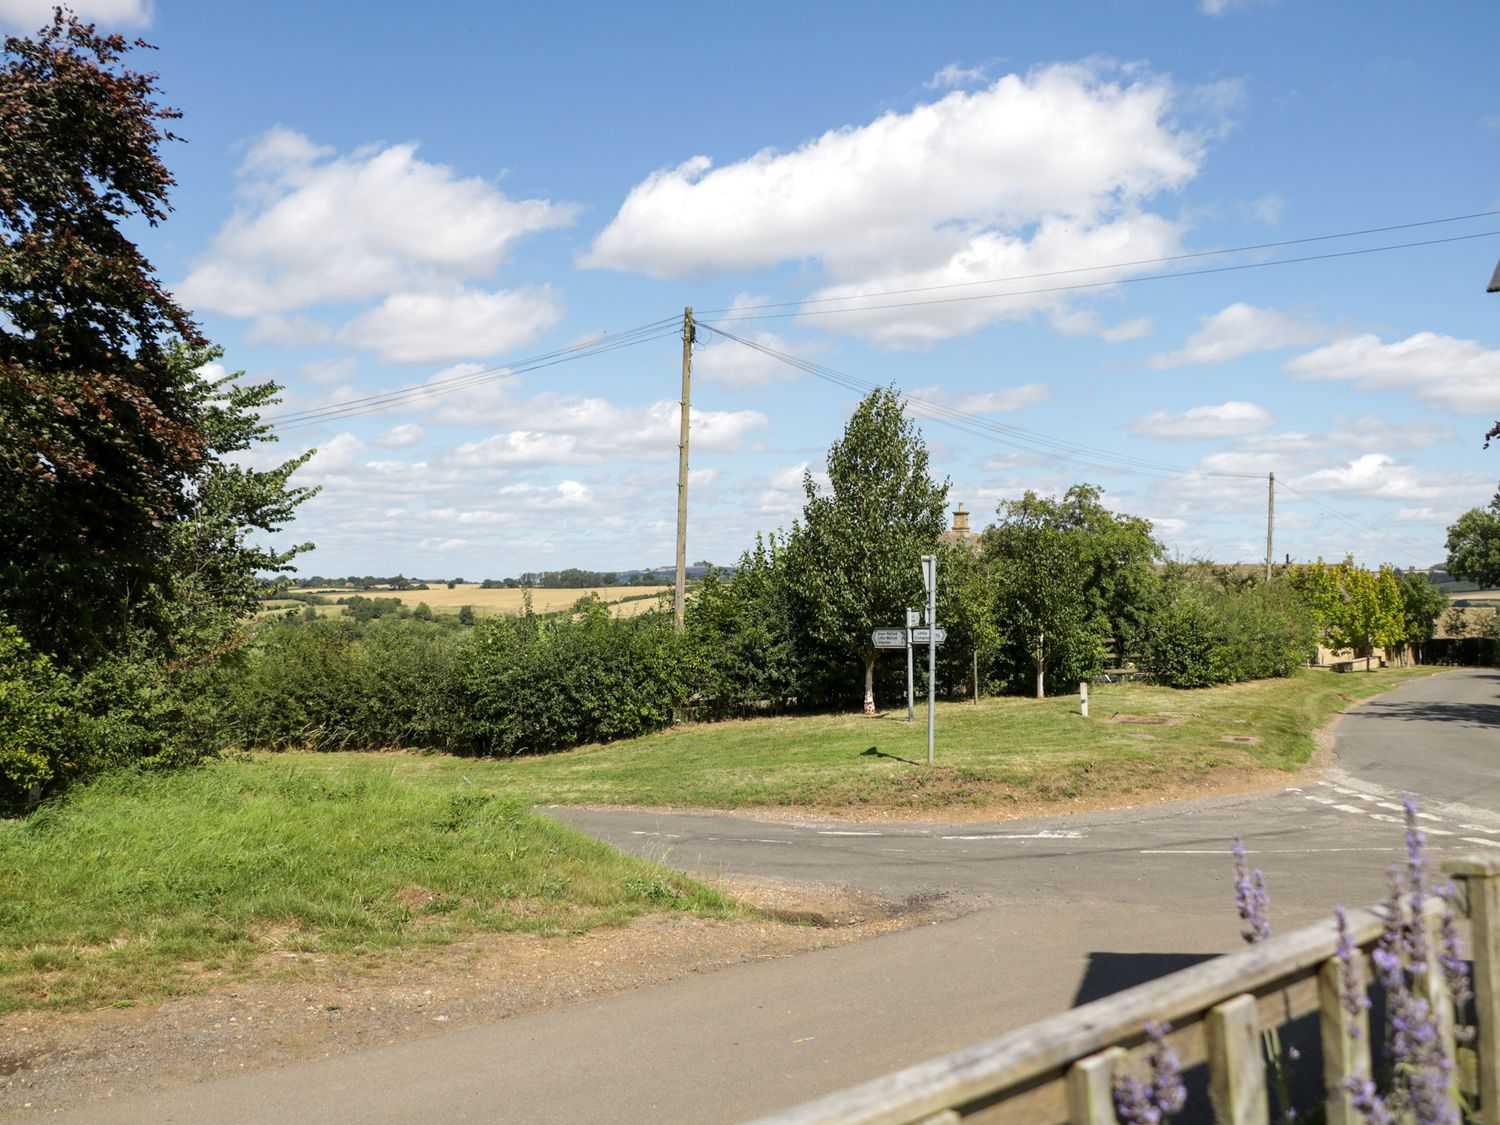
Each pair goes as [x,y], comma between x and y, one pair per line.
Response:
[1004,751]
[132,884]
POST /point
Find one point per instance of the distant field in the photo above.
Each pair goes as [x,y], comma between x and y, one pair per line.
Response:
[1475,595]
[441,599]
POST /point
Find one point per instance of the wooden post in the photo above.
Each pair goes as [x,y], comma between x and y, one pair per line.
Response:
[1344,1056]
[1482,874]
[1091,1088]
[1236,1071]
[976,676]
[679,598]
[1083,698]
[1270,518]
[1041,641]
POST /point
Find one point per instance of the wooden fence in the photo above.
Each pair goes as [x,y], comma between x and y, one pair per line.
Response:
[1060,1071]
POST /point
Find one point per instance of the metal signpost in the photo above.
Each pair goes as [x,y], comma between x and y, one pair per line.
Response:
[913,619]
[929,579]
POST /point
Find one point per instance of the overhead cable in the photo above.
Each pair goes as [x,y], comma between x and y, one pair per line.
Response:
[748,314]
[405,396]
[1114,265]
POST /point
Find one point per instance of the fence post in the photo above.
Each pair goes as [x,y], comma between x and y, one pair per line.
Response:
[1236,1070]
[1345,1056]
[1482,874]
[1091,1088]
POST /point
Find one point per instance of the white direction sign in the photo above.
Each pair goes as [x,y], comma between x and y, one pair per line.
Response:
[889,638]
[922,636]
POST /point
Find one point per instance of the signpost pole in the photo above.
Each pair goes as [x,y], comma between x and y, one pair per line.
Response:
[929,575]
[912,618]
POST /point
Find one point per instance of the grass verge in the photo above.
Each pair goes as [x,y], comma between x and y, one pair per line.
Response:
[1004,751]
[123,890]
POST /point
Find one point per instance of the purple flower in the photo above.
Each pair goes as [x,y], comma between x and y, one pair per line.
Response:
[1163,1094]
[1355,999]
[1250,896]
[1455,971]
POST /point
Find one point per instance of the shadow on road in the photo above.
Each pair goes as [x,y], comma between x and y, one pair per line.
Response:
[1109,973]
[1435,711]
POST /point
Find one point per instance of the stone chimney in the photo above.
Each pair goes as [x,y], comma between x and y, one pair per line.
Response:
[961,522]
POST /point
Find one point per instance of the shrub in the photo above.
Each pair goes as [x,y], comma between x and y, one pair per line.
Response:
[1204,634]
[528,685]
[33,721]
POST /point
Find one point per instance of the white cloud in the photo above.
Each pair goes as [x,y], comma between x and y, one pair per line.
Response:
[289,332]
[910,187]
[1227,419]
[983,402]
[961,296]
[1368,432]
[1034,173]
[1424,515]
[326,372]
[432,544]
[732,364]
[453,325]
[781,493]
[1460,375]
[1086,322]
[953,76]
[399,437]
[578,430]
[316,227]
[1224,7]
[29,15]
[1379,476]
[1240,330]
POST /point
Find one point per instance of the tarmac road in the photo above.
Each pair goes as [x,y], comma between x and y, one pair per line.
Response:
[1058,911]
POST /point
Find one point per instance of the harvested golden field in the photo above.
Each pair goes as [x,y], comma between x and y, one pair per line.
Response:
[443,600]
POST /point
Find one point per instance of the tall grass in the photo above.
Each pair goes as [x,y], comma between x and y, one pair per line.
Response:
[119,891]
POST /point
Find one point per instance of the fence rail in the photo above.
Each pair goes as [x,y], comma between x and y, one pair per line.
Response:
[1060,1071]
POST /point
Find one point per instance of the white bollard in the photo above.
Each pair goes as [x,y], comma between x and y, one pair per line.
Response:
[1083,699]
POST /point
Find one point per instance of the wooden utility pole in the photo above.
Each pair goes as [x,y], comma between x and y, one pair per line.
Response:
[679,600]
[1270,518]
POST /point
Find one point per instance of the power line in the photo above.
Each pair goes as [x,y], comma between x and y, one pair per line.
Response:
[1063,451]
[1017,437]
[1404,546]
[1116,265]
[734,315]
[371,404]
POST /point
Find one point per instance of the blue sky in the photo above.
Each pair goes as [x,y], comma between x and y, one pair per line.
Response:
[372,199]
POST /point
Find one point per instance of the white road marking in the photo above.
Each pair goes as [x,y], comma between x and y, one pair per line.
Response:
[1480,840]
[835,832]
[1477,828]
[668,835]
[1257,851]
[1043,835]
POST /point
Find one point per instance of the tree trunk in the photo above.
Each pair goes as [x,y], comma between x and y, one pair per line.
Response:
[1041,640]
[869,683]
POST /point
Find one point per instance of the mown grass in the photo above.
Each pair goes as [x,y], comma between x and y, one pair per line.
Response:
[1003,751]
[130,886]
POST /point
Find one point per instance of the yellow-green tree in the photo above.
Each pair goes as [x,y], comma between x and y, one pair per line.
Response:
[1356,608]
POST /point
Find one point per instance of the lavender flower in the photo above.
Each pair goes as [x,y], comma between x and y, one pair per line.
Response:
[1455,971]
[1163,1094]
[1370,1104]
[1250,896]
[1352,995]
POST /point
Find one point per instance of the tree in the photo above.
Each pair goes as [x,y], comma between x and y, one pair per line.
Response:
[1422,604]
[1474,545]
[1355,608]
[1070,576]
[120,524]
[853,560]
[1042,605]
